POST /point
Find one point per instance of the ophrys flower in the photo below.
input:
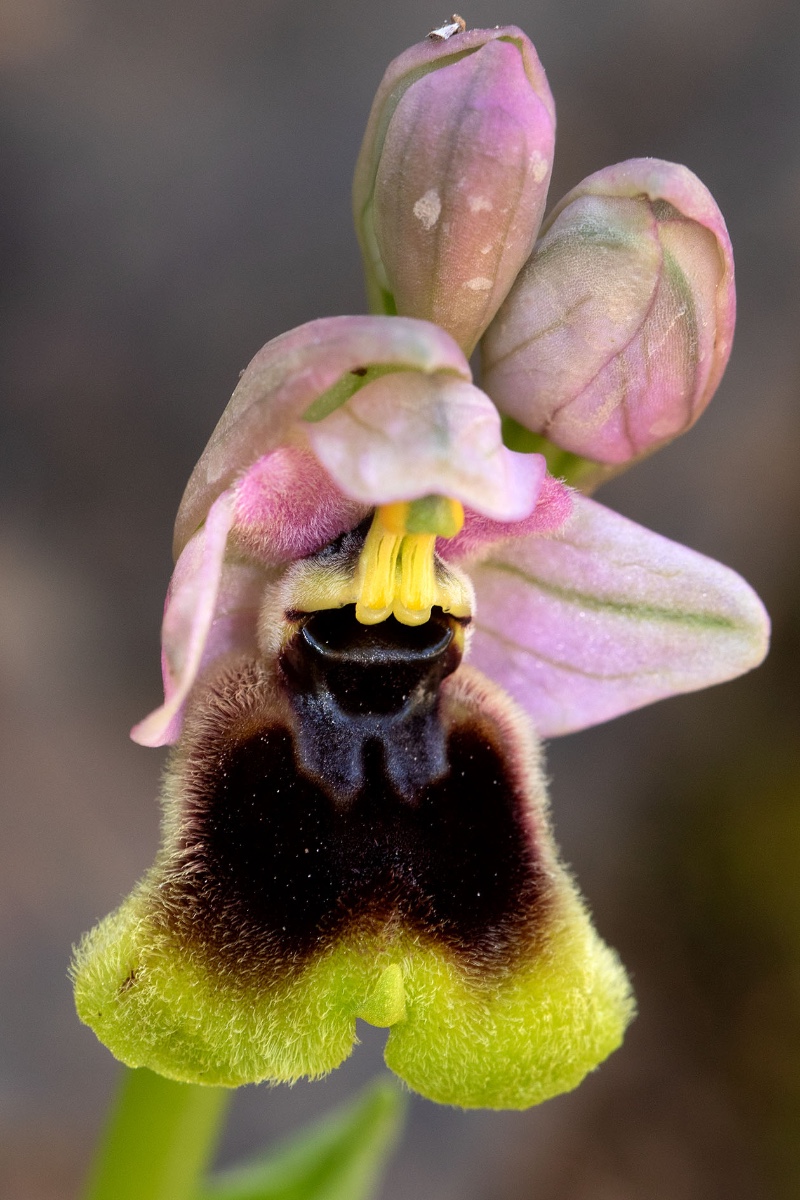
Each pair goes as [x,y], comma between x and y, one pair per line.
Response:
[355,817]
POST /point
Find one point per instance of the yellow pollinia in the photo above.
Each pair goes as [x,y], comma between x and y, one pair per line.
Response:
[396,573]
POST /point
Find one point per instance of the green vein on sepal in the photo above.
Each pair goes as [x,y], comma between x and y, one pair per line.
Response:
[344,389]
[625,608]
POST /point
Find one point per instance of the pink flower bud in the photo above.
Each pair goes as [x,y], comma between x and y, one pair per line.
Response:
[617,331]
[451,181]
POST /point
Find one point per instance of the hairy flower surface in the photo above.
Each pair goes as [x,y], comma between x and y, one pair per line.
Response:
[355,816]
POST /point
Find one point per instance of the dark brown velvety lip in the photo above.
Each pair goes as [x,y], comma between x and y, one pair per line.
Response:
[273,867]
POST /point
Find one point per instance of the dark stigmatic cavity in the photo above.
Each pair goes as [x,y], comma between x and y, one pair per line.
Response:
[354,686]
[278,864]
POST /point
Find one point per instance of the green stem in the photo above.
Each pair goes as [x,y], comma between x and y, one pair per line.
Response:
[159,1139]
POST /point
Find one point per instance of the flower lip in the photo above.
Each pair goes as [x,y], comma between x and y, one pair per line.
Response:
[273,913]
[470,902]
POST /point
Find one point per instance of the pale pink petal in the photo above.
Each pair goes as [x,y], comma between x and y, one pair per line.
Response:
[287,507]
[605,617]
[292,373]
[211,609]
[407,435]
[479,533]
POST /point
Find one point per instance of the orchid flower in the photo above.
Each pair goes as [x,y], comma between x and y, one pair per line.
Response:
[378,609]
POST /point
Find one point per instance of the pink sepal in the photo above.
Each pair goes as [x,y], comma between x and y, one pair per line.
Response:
[284,380]
[211,610]
[605,617]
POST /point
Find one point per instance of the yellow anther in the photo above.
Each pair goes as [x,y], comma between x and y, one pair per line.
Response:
[377,572]
[417,590]
[396,570]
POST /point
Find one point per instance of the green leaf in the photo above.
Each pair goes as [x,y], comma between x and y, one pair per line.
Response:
[339,1158]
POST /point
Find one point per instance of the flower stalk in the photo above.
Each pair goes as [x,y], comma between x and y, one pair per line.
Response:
[160,1139]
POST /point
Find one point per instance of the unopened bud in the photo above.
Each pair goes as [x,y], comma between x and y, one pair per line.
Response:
[618,330]
[452,178]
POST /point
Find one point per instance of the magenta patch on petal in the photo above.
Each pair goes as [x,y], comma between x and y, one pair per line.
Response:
[553,508]
[287,506]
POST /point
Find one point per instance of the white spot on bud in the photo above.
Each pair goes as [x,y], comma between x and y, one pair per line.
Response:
[479,284]
[428,208]
[539,166]
[455,25]
[480,204]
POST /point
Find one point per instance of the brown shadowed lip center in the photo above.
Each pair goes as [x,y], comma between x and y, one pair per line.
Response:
[365,814]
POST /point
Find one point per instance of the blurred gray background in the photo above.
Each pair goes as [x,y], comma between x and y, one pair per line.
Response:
[174,192]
